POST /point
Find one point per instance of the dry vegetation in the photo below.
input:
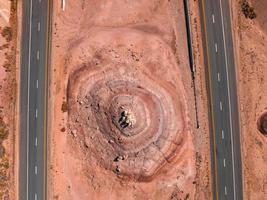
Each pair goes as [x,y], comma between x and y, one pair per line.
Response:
[8,38]
[247,10]
[64,106]
[7,33]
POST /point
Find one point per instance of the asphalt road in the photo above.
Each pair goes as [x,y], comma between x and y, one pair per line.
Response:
[224,117]
[33,92]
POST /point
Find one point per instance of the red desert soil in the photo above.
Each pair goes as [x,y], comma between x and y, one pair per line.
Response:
[8,96]
[251,51]
[121,104]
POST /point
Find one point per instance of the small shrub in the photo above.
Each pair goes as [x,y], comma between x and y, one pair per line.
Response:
[2,151]
[187,196]
[4,164]
[64,106]
[4,46]
[247,10]
[7,33]
[3,130]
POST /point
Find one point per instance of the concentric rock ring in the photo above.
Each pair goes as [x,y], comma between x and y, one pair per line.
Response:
[133,122]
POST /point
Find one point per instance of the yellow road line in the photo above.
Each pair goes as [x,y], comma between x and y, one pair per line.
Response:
[211,102]
[45,99]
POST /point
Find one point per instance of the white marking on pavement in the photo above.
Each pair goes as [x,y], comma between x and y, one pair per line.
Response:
[39,26]
[219,78]
[230,107]
[216,47]
[36,142]
[38,55]
[36,113]
[35,196]
[220,105]
[63,4]
[225,190]
[222,134]
[40,1]
[213,18]
[37,85]
[224,162]
[35,169]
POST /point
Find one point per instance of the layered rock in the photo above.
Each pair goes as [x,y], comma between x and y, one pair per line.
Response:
[127,102]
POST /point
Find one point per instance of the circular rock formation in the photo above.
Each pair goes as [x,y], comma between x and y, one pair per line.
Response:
[128,103]
[262,124]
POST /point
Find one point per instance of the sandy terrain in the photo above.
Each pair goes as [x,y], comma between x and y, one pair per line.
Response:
[8,74]
[251,52]
[122,115]
[201,138]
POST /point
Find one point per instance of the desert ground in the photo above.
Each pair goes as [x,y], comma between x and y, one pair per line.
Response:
[122,114]
[122,118]
[8,96]
[250,34]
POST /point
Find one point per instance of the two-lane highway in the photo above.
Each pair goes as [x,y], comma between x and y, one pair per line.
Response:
[219,61]
[33,99]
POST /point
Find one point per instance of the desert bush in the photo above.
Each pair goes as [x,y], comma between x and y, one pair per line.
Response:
[64,106]
[247,10]
[7,33]
[4,46]
[3,130]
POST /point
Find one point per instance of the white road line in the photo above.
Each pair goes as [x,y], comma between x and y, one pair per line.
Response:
[38,55]
[218,77]
[222,134]
[213,19]
[40,1]
[39,26]
[28,102]
[35,169]
[37,84]
[224,162]
[36,113]
[225,190]
[63,4]
[230,107]
[36,142]
[35,197]
[216,47]
[220,105]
